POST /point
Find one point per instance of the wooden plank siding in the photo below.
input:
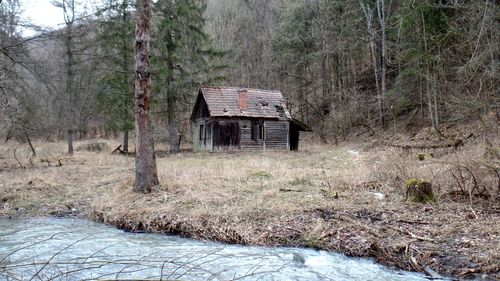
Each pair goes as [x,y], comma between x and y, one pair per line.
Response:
[246,142]
[206,142]
[275,136]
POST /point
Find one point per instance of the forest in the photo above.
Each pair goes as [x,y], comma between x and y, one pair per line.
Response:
[344,66]
[399,96]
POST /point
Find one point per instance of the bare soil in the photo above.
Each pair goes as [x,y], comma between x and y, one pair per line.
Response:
[349,199]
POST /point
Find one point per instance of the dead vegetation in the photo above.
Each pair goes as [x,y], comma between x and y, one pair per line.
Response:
[345,199]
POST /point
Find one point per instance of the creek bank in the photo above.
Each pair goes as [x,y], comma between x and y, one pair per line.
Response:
[361,234]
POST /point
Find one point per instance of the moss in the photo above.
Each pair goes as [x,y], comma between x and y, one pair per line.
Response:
[421,156]
[260,174]
[419,191]
[413,182]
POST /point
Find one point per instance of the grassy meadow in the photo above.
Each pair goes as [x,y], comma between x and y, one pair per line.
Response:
[347,198]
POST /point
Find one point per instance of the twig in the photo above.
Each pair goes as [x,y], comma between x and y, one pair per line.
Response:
[412,235]
[15,157]
[29,142]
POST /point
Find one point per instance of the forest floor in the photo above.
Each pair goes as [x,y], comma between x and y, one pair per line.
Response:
[348,198]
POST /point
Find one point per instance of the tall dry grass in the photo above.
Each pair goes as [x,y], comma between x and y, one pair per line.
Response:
[347,198]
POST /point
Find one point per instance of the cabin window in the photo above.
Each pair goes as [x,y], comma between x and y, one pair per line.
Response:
[258,131]
[202,132]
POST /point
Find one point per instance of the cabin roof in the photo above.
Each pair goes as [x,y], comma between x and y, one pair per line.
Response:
[245,102]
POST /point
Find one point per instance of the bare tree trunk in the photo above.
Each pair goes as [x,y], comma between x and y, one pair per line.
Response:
[421,92]
[371,32]
[383,60]
[69,18]
[125,69]
[145,162]
[125,142]
[172,123]
[431,91]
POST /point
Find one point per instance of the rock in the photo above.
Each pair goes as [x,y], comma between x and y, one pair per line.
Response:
[419,191]
[298,258]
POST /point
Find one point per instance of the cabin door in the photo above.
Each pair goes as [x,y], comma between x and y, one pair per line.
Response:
[293,135]
[226,135]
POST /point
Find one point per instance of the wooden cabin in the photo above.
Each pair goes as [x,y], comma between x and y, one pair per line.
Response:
[229,118]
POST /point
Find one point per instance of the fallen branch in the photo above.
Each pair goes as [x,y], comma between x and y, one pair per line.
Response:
[289,190]
[59,162]
[119,149]
[412,235]
[455,144]
[15,157]
[29,142]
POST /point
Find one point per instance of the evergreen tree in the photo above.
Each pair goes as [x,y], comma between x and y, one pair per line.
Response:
[182,59]
[116,87]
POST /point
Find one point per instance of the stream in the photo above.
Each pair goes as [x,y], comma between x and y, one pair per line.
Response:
[77,249]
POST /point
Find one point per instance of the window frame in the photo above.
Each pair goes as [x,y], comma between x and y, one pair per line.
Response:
[258,131]
[201,135]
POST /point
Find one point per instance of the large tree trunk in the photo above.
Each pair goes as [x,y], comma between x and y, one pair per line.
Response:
[146,175]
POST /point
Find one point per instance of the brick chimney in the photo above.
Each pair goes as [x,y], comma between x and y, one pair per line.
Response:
[243,98]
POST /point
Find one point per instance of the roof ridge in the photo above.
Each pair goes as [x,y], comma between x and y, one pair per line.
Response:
[240,88]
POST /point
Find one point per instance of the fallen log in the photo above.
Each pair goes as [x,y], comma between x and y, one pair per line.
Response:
[119,149]
[455,144]
[58,162]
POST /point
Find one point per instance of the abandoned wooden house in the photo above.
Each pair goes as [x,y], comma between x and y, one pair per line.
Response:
[229,118]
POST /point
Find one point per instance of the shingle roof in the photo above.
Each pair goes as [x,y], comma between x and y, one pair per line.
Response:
[244,102]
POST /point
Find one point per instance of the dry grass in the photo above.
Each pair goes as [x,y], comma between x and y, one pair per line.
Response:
[336,198]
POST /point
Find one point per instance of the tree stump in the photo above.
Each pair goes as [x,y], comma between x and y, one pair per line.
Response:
[419,191]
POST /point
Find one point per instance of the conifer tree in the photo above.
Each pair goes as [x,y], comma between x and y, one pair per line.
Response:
[182,60]
[116,87]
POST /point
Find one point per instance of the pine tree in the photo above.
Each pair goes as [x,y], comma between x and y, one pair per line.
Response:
[182,59]
[116,87]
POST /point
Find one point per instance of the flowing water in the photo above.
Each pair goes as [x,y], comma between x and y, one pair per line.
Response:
[76,249]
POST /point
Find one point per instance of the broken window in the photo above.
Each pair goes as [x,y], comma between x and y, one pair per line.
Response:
[258,130]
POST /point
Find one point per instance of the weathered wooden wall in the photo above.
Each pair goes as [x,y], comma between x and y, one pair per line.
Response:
[236,134]
[206,142]
[226,134]
[276,135]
